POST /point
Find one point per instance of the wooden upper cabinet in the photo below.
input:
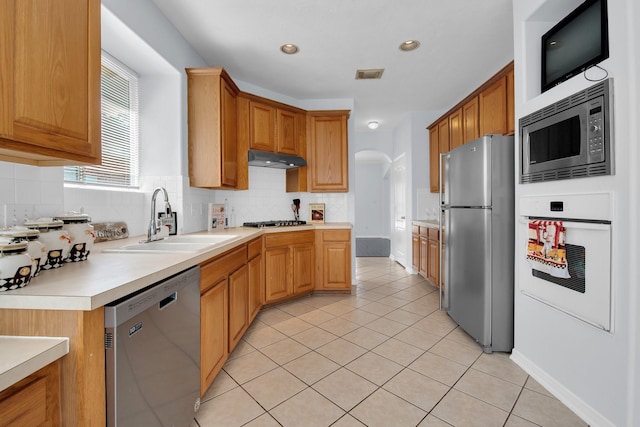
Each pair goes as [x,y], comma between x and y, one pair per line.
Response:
[443,135]
[470,125]
[50,82]
[434,159]
[213,142]
[327,151]
[493,108]
[455,130]
[262,125]
[511,120]
[287,133]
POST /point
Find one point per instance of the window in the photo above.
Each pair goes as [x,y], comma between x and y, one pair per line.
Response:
[119,111]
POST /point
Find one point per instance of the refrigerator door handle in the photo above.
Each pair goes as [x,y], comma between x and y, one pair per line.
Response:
[443,273]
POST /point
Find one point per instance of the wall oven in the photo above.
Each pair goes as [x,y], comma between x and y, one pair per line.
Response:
[571,138]
[565,248]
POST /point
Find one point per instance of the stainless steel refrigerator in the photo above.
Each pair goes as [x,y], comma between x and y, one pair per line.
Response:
[477,251]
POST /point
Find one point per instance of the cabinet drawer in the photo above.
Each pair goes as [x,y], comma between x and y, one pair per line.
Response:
[415,229]
[424,231]
[434,233]
[212,272]
[336,235]
[26,407]
[254,248]
[288,238]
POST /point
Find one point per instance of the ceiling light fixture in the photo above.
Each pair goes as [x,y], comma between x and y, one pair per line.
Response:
[373,124]
[409,45]
[289,48]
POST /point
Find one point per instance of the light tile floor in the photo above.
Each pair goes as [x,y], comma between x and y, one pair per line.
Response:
[383,357]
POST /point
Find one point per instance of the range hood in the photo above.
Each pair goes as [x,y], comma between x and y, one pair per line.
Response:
[275,160]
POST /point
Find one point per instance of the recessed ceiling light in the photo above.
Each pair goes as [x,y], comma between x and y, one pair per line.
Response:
[289,48]
[373,124]
[409,45]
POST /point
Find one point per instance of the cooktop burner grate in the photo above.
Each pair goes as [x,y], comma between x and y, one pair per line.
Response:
[275,223]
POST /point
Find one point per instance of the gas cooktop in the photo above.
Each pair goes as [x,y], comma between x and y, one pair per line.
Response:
[277,223]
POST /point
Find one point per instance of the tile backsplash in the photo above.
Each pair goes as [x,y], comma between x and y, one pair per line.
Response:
[32,192]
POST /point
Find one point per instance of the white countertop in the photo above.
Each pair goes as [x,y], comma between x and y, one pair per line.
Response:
[432,223]
[106,277]
[22,356]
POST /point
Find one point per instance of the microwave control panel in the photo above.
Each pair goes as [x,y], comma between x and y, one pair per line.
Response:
[595,131]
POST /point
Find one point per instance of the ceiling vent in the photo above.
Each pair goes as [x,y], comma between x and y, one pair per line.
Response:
[375,73]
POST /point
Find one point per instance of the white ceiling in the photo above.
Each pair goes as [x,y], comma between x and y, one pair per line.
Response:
[463,42]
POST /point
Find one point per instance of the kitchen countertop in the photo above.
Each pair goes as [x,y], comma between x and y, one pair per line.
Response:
[432,223]
[106,277]
[22,356]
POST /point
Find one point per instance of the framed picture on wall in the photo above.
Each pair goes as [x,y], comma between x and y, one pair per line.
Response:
[316,212]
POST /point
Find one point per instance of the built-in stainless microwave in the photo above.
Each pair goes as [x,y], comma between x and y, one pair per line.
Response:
[571,138]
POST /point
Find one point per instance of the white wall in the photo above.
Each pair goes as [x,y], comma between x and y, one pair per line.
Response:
[373,190]
[588,369]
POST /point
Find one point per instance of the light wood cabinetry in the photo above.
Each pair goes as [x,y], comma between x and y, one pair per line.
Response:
[487,110]
[34,401]
[470,126]
[415,247]
[262,125]
[433,256]
[426,252]
[334,260]
[50,82]
[493,108]
[327,151]
[289,264]
[288,131]
[82,370]
[256,277]
[213,142]
[213,332]
[238,305]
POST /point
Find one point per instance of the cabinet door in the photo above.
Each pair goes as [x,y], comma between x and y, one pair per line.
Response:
[455,129]
[229,136]
[50,81]
[238,305]
[443,144]
[256,286]
[262,124]
[433,268]
[434,159]
[337,266]
[287,132]
[424,256]
[303,268]
[493,108]
[213,333]
[470,126]
[415,252]
[276,274]
[327,152]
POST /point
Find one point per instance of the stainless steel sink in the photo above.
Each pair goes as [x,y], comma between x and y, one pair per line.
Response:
[176,244]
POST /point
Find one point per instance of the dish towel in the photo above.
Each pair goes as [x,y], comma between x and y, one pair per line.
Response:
[546,248]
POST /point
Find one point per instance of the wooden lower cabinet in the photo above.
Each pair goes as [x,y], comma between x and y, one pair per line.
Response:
[256,277]
[433,256]
[213,332]
[334,260]
[415,249]
[238,305]
[289,264]
[424,257]
[426,252]
[33,401]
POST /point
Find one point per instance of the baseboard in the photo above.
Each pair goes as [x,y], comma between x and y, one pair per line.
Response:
[563,394]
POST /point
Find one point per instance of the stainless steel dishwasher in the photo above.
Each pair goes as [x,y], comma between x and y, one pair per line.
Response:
[152,349]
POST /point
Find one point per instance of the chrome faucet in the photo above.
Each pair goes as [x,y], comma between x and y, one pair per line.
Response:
[152,233]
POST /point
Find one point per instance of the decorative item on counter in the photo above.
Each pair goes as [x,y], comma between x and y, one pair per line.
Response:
[295,207]
[35,248]
[227,211]
[105,231]
[216,217]
[316,213]
[81,234]
[56,240]
[170,222]
[15,265]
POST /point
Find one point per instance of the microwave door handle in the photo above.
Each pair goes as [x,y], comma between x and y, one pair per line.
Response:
[584,225]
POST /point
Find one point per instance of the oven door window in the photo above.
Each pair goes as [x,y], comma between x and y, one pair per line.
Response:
[557,141]
[576,267]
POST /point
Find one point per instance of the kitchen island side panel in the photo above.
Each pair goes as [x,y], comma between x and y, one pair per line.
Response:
[82,372]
